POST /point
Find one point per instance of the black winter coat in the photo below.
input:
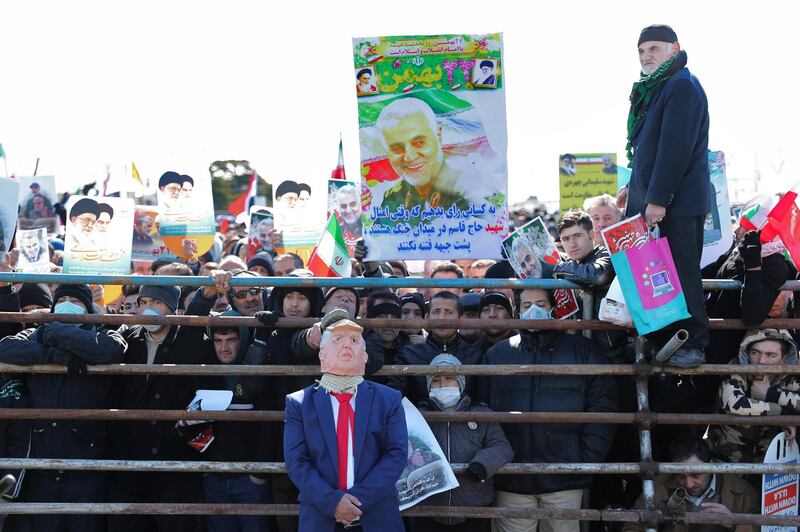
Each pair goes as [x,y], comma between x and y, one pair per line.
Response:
[550,442]
[152,439]
[416,388]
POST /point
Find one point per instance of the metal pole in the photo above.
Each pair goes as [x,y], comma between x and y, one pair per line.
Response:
[645,447]
[587,297]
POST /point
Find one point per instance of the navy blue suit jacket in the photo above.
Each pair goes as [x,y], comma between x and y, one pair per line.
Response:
[379,449]
[670,151]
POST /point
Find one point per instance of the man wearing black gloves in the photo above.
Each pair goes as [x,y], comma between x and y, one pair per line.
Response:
[74,346]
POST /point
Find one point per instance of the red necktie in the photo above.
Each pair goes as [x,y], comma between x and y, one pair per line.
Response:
[344,421]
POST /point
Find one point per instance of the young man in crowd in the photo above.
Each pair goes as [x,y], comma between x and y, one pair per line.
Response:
[494,306]
[443,305]
[471,311]
[412,307]
[547,442]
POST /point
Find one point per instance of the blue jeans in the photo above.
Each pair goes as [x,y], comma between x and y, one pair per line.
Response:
[237,489]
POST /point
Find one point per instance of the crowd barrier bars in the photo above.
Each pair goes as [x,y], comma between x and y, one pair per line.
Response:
[642,369]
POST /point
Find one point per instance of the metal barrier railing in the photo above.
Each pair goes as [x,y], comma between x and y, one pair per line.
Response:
[641,370]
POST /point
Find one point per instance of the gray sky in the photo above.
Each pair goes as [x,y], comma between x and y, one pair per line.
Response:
[177,84]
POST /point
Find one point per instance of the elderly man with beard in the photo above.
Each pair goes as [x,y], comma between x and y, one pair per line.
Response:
[345,477]
[670,185]
[348,207]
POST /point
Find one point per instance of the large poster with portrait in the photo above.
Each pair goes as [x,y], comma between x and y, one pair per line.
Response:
[585,175]
[147,243]
[9,192]
[299,208]
[432,122]
[98,238]
[717,230]
[262,222]
[187,213]
[37,198]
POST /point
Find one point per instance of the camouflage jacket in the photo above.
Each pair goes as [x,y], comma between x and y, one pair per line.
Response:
[738,443]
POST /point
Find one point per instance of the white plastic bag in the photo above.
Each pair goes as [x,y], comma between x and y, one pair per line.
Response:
[613,308]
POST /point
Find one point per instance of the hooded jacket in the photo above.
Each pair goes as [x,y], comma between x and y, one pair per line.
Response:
[749,443]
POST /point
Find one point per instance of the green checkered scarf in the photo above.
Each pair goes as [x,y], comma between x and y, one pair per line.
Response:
[644,92]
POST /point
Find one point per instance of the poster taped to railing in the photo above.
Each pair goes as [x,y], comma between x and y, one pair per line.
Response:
[427,471]
[432,121]
[779,490]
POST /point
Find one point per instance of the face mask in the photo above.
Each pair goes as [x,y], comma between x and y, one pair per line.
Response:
[447,397]
[150,312]
[68,307]
[535,312]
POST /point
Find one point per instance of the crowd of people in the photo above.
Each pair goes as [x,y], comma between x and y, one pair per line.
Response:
[678,206]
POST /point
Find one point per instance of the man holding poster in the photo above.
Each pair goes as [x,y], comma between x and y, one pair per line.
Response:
[670,185]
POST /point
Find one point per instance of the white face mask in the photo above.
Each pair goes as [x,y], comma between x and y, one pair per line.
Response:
[536,312]
[150,312]
[68,307]
[447,397]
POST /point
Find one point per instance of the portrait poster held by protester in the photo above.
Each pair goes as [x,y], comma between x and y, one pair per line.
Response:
[9,191]
[433,148]
[532,253]
[344,201]
[299,208]
[98,235]
[262,222]
[670,185]
[588,174]
[34,255]
[187,213]
[37,200]
[148,245]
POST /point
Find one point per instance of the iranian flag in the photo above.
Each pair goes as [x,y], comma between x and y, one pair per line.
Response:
[754,213]
[784,221]
[243,203]
[330,257]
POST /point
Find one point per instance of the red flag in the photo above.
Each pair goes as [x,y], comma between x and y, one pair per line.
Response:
[338,172]
[784,221]
[243,202]
[223,226]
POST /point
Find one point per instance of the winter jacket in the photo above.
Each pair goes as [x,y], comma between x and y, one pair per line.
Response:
[153,439]
[594,273]
[468,442]
[74,346]
[550,442]
[752,304]
[390,354]
[734,493]
[737,443]
[670,151]
[15,434]
[415,388]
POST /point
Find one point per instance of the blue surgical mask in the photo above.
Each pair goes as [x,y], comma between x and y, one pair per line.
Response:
[68,307]
[536,312]
[151,312]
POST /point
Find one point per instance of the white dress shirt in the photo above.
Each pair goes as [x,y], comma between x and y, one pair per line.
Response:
[335,405]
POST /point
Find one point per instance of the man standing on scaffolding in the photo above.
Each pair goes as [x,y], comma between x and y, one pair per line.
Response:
[670,184]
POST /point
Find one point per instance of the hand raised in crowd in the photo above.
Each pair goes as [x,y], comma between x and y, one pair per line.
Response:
[222,283]
[314,336]
[750,250]
[653,214]
[347,509]
[360,253]
[760,387]
[416,338]
[790,434]
[9,264]
[715,508]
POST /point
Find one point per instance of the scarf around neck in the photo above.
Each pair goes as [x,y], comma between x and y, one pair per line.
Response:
[340,383]
[644,92]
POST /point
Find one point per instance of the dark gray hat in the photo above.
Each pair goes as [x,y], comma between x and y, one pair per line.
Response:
[657,32]
[169,295]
